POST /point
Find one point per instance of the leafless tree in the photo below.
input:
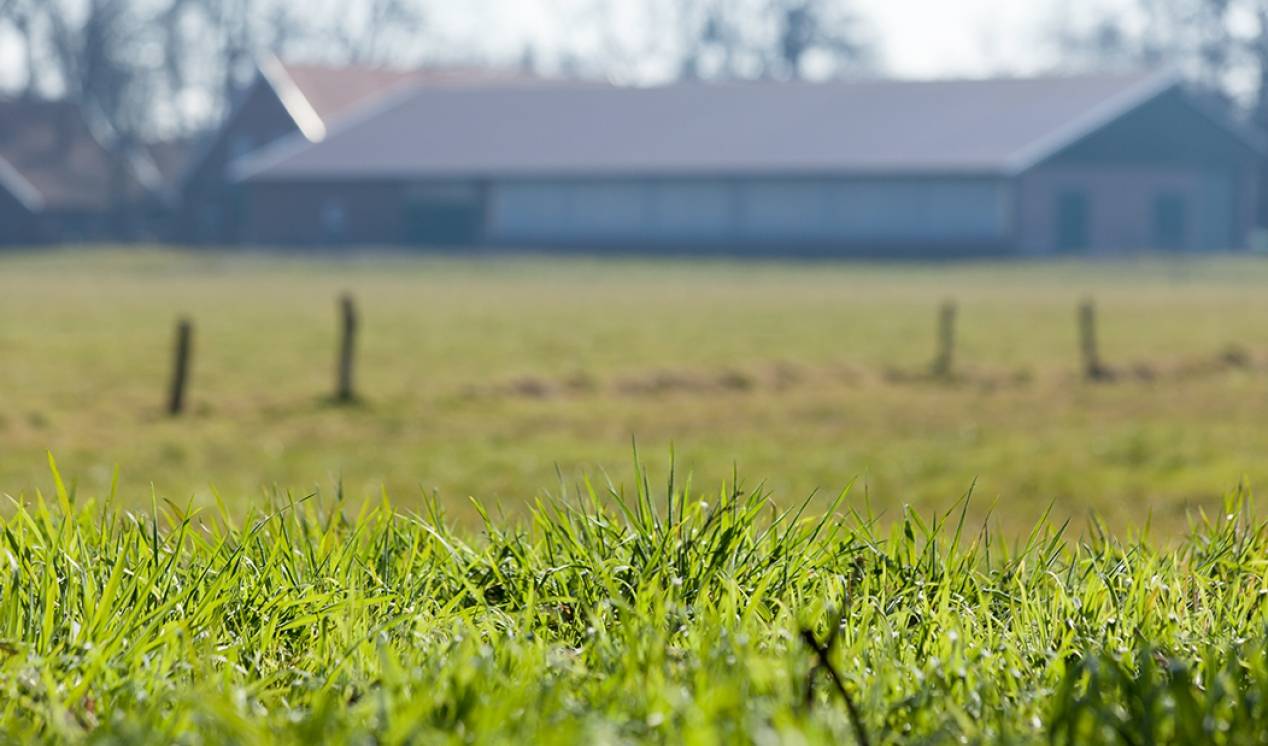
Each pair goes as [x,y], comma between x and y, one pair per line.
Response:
[1198,35]
[94,52]
[714,39]
[787,39]
[222,39]
[134,61]
[377,32]
[22,17]
[1258,52]
[825,31]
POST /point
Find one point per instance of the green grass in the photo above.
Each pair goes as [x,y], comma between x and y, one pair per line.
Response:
[231,586]
[486,377]
[664,614]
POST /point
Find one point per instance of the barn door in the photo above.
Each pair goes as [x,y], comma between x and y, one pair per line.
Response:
[444,215]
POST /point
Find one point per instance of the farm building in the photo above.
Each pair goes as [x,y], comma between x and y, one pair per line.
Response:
[300,102]
[1033,166]
[57,181]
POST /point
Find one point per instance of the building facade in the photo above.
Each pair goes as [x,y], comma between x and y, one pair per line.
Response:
[59,183]
[1034,167]
[299,101]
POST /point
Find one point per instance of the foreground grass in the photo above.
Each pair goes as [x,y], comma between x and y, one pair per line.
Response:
[661,615]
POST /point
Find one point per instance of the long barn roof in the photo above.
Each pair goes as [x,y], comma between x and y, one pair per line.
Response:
[874,127]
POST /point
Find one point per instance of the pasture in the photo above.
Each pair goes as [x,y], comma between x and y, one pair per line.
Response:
[498,377]
[472,552]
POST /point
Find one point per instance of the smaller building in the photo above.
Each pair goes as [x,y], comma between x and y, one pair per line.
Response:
[58,183]
[285,101]
[1097,163]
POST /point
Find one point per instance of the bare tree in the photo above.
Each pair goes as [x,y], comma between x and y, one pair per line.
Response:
[135,60]
[1198,35]
[93,52]
[94,60]
[23,16]
[378,31]
[788,39]
[161,65]
[828,30]
[1104,44]
[1259,54]
[224,38]
[714,38]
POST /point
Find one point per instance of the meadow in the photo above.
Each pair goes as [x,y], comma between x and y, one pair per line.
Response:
[617,501]
[503,377]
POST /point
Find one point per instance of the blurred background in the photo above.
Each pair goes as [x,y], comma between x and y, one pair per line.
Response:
[155,81]
[907,244]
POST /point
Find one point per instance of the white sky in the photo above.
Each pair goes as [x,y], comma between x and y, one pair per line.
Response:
[937,38]
[918,38]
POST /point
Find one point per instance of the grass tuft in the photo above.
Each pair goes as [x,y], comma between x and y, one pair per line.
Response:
[663,615]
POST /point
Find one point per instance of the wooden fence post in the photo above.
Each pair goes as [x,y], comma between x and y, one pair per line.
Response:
[180,367]
[1093,369]
[945,359]
[345,390]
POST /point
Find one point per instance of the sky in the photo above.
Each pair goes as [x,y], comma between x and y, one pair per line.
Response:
[918,38]
[936,38]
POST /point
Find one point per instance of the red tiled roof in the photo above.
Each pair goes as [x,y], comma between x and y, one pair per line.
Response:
[335,91]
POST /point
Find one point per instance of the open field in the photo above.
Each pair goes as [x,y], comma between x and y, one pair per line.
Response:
[297,604]
[483,377]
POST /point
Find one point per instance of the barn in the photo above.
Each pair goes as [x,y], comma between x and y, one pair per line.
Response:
[287,101]
[1087,164]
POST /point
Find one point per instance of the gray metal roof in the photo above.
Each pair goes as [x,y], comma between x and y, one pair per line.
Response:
[875,127]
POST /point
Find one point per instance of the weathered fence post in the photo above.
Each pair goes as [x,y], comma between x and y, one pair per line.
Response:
[180,367]
[1093,369]
[345,391]
[945,359]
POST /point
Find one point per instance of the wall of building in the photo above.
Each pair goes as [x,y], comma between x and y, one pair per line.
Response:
[212,207]
[17,225]
[1166,150]
[1121,207]
[1164,176]
[317,214]
[967,215]
[964,213]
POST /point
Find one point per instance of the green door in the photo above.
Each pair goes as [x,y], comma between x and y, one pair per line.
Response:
[444,215]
